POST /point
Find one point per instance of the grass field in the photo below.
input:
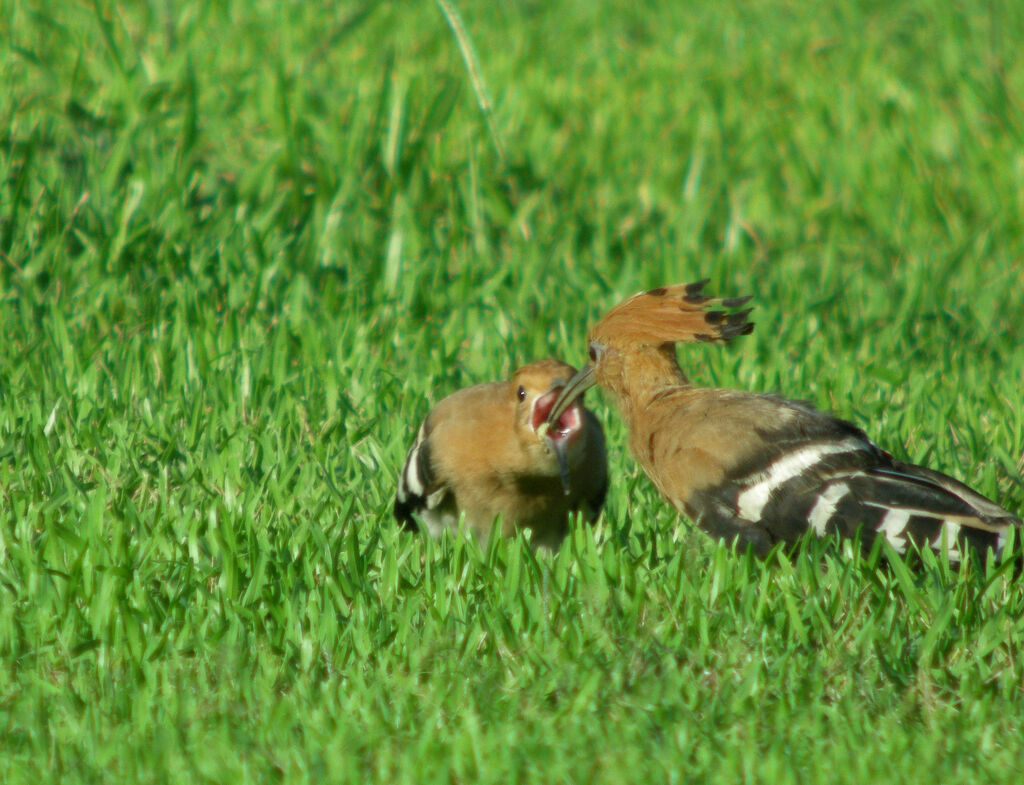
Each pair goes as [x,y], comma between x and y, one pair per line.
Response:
[246,244]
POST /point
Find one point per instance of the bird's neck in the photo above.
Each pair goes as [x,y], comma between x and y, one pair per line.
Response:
[646,376]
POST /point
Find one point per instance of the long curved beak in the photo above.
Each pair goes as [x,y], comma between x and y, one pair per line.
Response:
[577,385]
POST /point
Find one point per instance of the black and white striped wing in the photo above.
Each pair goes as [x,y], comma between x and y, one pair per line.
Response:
[844,484]
[420,490]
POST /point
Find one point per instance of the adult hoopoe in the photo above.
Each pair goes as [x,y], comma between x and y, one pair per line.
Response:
[757,468]
[479,454]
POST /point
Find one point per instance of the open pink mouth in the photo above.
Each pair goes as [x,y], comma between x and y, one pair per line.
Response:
[568,423]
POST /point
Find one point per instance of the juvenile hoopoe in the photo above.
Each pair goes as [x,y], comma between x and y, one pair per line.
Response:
[757,468]
[479,454]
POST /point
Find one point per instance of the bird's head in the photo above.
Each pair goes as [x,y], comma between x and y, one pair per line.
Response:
[549,440]
[636,339]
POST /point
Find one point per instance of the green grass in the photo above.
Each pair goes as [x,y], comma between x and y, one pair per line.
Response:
[244,247]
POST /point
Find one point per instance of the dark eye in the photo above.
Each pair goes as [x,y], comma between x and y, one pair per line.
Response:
[593,353]
[521,393]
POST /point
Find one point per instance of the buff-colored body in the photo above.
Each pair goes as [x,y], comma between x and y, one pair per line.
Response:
[478,459]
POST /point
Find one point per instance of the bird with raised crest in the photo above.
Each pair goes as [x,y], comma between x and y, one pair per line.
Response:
[489,452]
[759,469]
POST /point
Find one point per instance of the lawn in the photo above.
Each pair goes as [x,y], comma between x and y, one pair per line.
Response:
[246,244]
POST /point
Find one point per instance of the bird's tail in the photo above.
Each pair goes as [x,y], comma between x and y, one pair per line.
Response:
[910,504]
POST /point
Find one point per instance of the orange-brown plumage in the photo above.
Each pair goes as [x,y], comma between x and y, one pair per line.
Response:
[758,468]
[672,314]
[479,456]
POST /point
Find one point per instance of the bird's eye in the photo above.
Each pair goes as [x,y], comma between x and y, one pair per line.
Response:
[521,393]
[593,353]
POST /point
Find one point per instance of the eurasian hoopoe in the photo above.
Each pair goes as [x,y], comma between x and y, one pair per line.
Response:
[757,468]
[479,454]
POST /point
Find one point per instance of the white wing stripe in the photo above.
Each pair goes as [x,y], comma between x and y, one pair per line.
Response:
[752,501]
[825,507]
[893,525]
[948,535]
[412,476]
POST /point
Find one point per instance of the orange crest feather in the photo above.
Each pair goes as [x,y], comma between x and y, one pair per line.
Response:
[673,314]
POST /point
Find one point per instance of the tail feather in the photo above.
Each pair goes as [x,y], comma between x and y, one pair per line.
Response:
[985,509]
[908,504]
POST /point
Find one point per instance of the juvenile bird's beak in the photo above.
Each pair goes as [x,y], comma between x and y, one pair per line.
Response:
[560,448]
[578,384]
[555,432]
